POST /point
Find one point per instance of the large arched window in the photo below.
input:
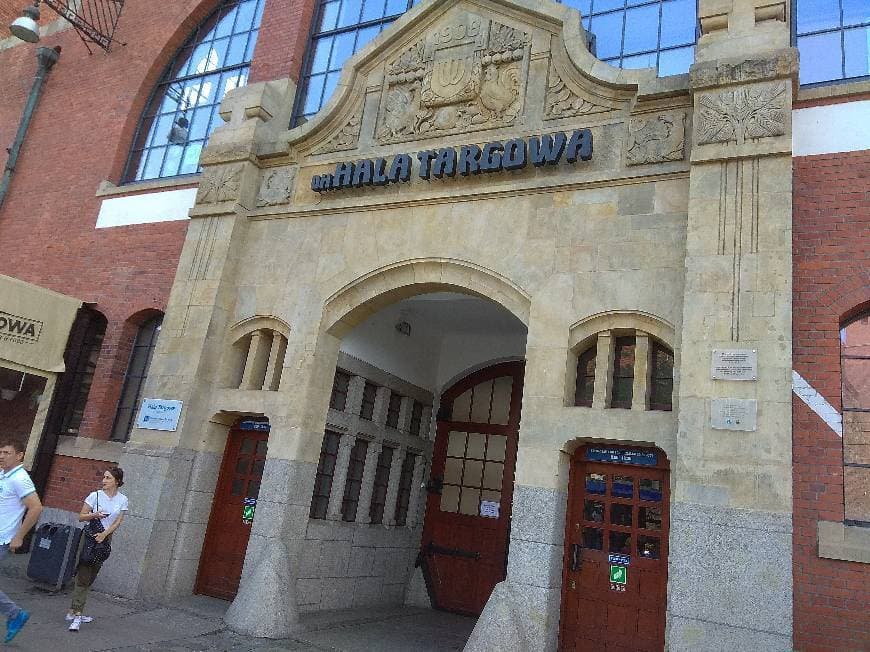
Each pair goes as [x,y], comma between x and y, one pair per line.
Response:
[628,33]
[855,353]
[833,38]
[137,370]
[183,109]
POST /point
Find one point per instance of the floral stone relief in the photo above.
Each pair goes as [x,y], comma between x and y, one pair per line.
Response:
[276,186]
[463,76]
[736,115]
[220,184]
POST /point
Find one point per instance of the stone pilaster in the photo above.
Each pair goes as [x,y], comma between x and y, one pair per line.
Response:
[393,486]
[368,482]
[603,371]
[731,495]
[417,493]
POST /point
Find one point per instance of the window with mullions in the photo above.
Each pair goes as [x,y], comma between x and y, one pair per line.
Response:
[341,28]
[642,33]
[183,109]
[137,370]
[833,37]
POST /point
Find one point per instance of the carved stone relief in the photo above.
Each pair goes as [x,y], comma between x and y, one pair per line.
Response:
[276,186]
[221,184]
[463,76]
[346,138]
[756,112]
[562,102]
[656,138]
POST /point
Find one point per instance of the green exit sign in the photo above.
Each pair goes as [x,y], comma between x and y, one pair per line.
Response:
[619,575]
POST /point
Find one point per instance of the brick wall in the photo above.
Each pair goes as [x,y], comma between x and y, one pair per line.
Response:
[831,281]
[70,481]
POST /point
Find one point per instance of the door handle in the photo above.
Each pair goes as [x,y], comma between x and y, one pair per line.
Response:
[435,485]
[576,562]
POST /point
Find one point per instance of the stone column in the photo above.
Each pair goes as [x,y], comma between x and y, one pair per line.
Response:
[416,492]
[339,477]
[603,370]
[382,402]
[259,350]
[368,482]
[393,486]
[640,390]
[731,490]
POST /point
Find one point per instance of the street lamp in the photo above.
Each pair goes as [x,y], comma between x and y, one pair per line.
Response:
[26,26]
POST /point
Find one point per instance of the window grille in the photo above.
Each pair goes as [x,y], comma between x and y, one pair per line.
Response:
[367,407]
[382,479]
[137,370]
[585,386]
[325,473]
[393,410]
[416,422]
[183,109]
[356,466]
[661,378]
[338,398]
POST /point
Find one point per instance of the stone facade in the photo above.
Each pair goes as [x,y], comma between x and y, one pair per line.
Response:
[687,191]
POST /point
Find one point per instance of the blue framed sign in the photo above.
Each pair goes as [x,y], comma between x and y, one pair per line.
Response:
[258,426]
[621,456]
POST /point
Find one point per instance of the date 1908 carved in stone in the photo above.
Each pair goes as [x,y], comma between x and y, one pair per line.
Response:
[736,115]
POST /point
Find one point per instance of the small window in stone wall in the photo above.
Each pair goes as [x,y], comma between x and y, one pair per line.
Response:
[82,371]
[356,466]
[661,378]
[325,473]
[585,386]
[393,409]
[338,397]
[382,479]
[403,497]
[416,419]
[623,372]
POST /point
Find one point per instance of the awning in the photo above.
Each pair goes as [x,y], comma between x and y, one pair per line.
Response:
[34,324]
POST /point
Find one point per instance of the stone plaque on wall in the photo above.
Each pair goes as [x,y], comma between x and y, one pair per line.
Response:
[734,364]
[733,414]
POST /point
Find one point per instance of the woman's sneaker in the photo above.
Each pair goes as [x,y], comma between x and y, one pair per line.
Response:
[75,624]
[85,619]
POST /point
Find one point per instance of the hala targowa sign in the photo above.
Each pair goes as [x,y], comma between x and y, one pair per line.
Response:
[495,156]
[159,414]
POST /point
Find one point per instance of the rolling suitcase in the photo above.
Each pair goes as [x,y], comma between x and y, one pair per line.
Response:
[54,554]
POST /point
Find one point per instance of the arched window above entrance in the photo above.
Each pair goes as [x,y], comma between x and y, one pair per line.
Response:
[182,110]
[624,369]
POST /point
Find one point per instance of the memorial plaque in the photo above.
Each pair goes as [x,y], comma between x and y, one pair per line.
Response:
[734,364]
[733,414]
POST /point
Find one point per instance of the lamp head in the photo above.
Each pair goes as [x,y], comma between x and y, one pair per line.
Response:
[26,27]
[179,134]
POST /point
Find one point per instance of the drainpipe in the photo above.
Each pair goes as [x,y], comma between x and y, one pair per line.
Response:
[46,58]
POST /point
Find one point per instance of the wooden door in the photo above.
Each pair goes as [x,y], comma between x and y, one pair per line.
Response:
[229,527]
[468,509]
[614,587]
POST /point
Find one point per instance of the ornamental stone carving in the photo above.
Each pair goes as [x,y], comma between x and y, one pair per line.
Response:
[346,138]
[464,76]
[221,184]
[276,186]
[562,102]
[735,115]
[656,138]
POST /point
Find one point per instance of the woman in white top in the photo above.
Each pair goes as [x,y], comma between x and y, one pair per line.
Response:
[109,505]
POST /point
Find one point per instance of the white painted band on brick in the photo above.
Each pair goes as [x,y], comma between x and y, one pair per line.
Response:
[832,128]
[817,403]
[147,208]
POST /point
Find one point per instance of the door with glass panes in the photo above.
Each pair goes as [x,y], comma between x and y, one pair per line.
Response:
[470,491]
[614,587]
[232,512]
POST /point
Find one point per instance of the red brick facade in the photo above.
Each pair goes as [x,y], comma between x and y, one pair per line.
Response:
[79,137]
[71,479]
[831,283]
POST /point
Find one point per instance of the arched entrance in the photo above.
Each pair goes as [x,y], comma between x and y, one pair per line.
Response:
[614,581]
[232,512]
[465,535]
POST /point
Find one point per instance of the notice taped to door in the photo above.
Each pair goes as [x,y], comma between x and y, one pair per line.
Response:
[489,508]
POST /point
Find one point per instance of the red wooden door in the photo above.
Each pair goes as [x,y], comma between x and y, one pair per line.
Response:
[617,529]
[468,509]
[229,526]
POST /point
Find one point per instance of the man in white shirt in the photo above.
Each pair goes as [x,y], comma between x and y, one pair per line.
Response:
[18,500]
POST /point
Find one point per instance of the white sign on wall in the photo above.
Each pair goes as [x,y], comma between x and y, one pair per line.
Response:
[733,414]
[734,364]
[159,414]
[489,508]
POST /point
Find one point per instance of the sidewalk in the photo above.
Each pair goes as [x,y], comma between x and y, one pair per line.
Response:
[195,625]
